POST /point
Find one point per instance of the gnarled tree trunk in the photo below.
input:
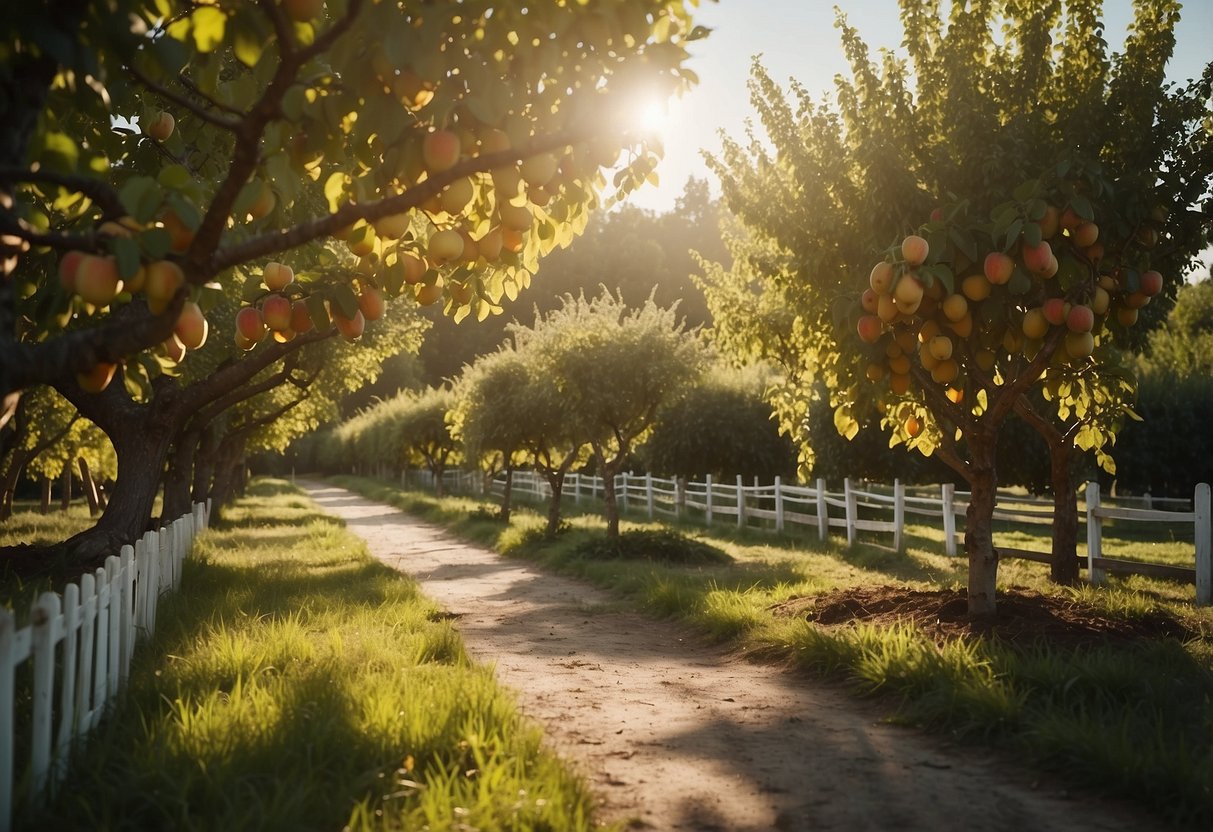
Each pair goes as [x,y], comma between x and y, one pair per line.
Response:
[88,487]
[179,476]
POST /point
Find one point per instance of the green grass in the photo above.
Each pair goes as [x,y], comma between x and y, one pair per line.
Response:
[27,527]
[296,683]
[1135,719]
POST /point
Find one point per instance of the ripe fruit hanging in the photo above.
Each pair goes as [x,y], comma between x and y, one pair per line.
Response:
[914,249]
[96,379]
[276,312]
[161,127]
[191,327]
[277,276]
[249,324]
[350,328]
[440,150]
[164,278]
[97,280]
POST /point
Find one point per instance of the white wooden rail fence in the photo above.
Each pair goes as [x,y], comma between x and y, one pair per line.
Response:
[79,646]
[779,506]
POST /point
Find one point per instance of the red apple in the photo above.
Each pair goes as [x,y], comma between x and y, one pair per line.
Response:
[97,279]
[998,268]
[371,303]
[869,328]
[1080,319]
[301,318]
[1151,283]
[277,276]
[350,328]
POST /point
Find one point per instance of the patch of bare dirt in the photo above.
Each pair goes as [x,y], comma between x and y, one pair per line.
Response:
[672,733]
[1024,616]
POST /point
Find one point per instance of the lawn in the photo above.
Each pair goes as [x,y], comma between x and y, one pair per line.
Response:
[1131,717]
[296,683]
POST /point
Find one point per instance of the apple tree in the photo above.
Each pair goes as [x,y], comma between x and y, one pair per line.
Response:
[315,159]
[1080,174]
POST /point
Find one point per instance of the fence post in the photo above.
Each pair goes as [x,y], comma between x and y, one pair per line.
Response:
[948,499]
[577,488]
[88,621]
[680,496]
[778,504]
[851,508]
[126,644]
[899,515]
[648,493]
[740,502]
[823,511]
[8,627]
[67,687]
[42,620]
[1204,544]
[707,498]
[1094,535]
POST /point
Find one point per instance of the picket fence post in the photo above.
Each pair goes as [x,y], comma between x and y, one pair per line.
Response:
[740,502]
[1204,544]
[899,515]
[126,624]
[88,630]
[851,508]
[823,511]
[948,499]
[42,620]
[67,687]
[648,493]
[1094,535]
[707,483]
[778,504]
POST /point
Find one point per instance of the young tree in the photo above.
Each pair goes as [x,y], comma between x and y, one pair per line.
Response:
[613,368]
[846,180]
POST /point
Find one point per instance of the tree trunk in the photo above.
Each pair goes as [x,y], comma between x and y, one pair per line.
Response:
[178,477]
[65,484]
[610,505]
[204,462]
[88,487]
[1063,567]
[507,494]
[45,507]
[556,483]
[979,528]
[8,485]
[437,467]
[141,445]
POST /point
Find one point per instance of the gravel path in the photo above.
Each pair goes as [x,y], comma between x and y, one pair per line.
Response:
[673,734]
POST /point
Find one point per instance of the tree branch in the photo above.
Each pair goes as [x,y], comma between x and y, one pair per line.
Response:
[129,330]
[1013,390]
[277,241]
[96,190]
[225,122]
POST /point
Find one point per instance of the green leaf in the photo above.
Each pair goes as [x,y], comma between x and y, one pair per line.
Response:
[140,196]
[345,299]
[334,187]
[1031,234]
[175,177]
[209,23]
[1013,232]
[1019,282]
[845,423]
[1082,207]
[155,242]
[965,243]
[318,312]
[126,253]
[1026,190]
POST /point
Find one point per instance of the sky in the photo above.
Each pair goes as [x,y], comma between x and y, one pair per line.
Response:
[797,39]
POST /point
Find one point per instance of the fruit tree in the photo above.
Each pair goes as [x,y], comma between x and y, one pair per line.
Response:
[1027,143]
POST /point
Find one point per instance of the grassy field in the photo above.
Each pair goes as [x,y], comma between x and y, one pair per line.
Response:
[27,527]
[296,683]
[1133,718]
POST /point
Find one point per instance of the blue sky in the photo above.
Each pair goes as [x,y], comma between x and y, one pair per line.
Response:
[797,39]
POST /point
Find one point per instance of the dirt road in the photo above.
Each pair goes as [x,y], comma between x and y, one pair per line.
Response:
[673,734]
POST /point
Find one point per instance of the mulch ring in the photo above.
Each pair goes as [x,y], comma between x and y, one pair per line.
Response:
[1024,616]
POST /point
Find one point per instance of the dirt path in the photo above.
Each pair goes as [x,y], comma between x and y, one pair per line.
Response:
[676,735]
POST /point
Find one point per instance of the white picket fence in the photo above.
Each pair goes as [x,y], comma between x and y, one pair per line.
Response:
[780,506]
[79,646]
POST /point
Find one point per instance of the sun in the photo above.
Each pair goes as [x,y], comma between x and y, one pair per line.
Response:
[652,116]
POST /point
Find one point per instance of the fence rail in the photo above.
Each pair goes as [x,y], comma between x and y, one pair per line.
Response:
[79,646]
[878,509]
